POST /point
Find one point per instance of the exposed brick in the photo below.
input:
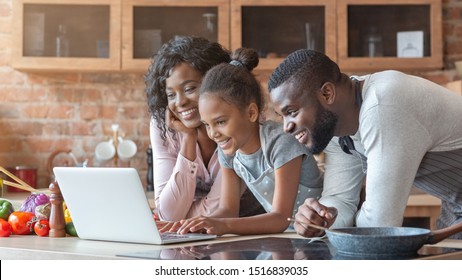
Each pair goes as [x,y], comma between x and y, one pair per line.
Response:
[454,47]
[56,129]
[36,111]
[81,128]
[91,96]
[9,145]
[20,94]
[8,112]
[109,112]
[63,78]
[20,128]
[62,112]
[8,76]
[37,78]
[453,13]
[89,112]
[134,111]
[41,145]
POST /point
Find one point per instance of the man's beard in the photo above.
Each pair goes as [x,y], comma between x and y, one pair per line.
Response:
[323,130]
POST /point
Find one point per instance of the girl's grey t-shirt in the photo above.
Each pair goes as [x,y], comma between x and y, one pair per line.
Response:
[279,149]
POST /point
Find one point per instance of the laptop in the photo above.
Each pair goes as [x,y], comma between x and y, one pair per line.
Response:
[110,204]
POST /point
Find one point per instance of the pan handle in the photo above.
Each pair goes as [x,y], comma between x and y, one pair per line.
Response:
[441,234]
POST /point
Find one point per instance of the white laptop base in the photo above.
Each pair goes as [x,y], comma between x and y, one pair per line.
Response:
[110,204]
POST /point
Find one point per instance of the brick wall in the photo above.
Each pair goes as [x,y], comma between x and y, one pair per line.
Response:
[43,113]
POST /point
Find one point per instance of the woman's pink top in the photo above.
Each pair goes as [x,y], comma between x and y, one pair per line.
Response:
[183,188]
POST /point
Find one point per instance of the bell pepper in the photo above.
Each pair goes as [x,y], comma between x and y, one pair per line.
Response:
[6,208]
[67,216]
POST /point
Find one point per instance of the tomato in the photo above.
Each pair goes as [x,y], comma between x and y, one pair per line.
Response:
[42,228]
[21,222]
[5,228]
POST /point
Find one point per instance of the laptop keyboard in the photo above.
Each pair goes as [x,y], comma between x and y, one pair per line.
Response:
[170,235]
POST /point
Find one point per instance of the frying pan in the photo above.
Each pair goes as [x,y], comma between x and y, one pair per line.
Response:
[385,242]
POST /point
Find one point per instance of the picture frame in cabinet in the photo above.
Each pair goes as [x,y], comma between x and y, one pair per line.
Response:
[164,20]
[66,35]
[367,34]
[276,28]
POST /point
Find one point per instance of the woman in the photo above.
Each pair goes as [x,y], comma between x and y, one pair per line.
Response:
[187,177]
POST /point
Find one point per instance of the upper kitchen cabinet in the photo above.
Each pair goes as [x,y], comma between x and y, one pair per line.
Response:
[77,35]
[147,24]
[385,34]
[276,28]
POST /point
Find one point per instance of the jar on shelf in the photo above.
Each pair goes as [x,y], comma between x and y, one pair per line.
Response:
[373,43]
[209,31]
[62,41]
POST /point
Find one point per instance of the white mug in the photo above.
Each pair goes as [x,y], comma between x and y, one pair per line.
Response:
[105,151]
[126,149]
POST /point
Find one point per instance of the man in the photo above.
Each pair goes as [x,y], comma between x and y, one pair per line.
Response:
[399,129]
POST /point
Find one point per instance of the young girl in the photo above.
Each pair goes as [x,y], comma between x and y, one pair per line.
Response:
[187,177]
[279,171]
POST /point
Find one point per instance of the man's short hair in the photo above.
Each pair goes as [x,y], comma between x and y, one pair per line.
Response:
[307,69]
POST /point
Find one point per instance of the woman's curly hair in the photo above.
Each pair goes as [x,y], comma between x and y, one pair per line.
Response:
[200,53]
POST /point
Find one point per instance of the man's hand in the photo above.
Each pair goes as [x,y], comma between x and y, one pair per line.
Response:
[313,212]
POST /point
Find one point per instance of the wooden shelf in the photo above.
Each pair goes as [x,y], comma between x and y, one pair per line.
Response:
[276,28]
[122,35]
[93,30]
[386,18]
[169,18]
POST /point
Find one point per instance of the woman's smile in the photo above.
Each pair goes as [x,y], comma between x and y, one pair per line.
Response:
[189,114]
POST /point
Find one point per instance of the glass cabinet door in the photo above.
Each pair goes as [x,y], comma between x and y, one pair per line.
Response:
[277,28]
[67,35]
[392,34]
[147,24]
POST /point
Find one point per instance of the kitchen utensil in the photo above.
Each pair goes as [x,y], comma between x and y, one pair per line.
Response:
[15,185]
[386,242]
[26,174]
[21,182]
[126,149]
[105,151]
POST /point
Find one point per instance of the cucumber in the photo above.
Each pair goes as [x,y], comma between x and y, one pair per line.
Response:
[70,229]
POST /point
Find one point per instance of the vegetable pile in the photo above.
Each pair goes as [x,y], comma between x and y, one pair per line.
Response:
[32,217]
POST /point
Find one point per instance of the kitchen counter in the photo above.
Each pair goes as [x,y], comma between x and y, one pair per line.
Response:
[33,247]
